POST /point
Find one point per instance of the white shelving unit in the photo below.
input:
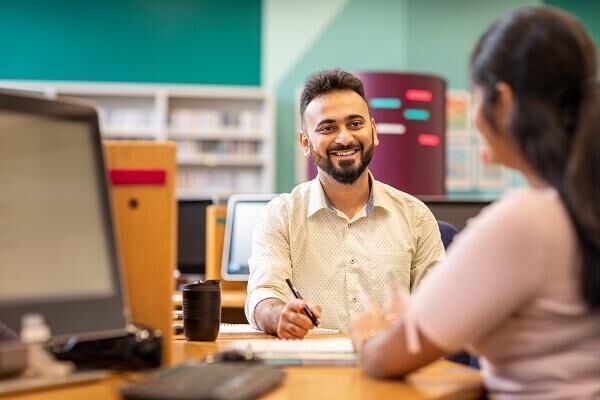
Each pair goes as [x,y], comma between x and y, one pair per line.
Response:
[224,134]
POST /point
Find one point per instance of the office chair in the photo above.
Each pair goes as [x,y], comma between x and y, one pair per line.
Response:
[448,231]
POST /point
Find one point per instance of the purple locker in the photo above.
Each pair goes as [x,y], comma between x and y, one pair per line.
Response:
[410,112]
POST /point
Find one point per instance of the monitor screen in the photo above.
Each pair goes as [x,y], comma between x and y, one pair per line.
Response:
[191,236]
[56,236]
[242,214]
[455,211]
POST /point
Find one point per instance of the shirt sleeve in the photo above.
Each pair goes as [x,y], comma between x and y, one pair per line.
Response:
[430,249]
[270,261]
[493,267]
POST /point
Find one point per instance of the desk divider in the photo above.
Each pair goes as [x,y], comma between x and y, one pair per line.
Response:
[144,212]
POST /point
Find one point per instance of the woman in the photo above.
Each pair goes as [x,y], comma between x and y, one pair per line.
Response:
[520,286]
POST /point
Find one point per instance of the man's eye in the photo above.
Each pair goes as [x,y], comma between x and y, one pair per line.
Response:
[356,124]
[326,129]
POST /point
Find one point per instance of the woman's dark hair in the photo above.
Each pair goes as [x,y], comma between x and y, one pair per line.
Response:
[549,61]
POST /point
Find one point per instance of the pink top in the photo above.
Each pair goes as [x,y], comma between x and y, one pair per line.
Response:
[509,292]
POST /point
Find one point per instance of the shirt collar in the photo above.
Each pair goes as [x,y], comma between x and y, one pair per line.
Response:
[318,199]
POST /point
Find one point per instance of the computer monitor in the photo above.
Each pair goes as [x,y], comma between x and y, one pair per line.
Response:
[57,247]
[242,214]
[454,210]
[191,236]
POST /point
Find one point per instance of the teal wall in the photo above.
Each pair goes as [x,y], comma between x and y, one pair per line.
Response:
[354,40]
[183,41]
[431,36]
[219,42]
[442,34]
[588,11]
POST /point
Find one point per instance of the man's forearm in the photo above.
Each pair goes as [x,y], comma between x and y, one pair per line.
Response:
[267,314]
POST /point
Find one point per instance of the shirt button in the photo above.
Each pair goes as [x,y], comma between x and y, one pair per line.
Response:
[354,299]
[350,224]
[352,261]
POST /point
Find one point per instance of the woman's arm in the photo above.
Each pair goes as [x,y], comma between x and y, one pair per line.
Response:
[386,354]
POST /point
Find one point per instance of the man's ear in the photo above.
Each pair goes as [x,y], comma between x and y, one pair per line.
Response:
[374,128]
[304,143]
[504,105]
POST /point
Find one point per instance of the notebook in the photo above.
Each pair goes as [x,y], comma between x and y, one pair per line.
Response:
[245,329]
[311,351]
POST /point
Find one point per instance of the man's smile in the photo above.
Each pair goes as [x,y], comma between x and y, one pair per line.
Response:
[343,154]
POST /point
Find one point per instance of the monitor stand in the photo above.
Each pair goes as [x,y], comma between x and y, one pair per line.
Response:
[42,371]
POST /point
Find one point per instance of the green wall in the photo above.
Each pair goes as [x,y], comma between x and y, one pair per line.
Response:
[588,11]
[219,42]
[364,35]
[432,36]
[442,34]
[182,41]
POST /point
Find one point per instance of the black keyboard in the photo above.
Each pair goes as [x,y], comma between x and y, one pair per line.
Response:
[228,380]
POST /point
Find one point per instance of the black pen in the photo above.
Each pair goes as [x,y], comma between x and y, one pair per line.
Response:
[297,295]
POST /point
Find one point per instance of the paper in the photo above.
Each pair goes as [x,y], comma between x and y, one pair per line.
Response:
[312,351]
[246,329]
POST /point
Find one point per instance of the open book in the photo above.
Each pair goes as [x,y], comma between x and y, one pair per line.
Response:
[246,329]
[312,351]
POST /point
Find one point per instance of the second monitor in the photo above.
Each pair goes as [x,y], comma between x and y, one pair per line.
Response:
[242,214]
[191,236]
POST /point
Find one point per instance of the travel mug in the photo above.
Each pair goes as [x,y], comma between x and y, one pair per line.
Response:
[202,310]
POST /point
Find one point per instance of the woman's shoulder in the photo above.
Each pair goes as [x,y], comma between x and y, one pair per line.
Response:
[531,204]
[530,214]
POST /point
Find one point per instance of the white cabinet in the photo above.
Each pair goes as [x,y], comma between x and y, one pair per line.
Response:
[224,134]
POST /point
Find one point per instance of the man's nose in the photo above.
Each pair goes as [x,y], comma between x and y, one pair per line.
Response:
[344,137]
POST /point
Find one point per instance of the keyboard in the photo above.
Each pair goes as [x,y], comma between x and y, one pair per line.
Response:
[227,380]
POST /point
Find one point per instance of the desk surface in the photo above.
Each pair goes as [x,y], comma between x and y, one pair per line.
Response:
[441,380]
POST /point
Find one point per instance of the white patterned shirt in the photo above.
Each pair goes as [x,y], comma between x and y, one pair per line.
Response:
[331,259]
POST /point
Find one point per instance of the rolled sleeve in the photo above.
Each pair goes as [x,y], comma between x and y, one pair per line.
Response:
[270,260]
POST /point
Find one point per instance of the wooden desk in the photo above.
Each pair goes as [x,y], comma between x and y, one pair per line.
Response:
[441,380]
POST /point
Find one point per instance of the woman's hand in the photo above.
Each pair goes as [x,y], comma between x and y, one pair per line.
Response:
[374,319]
[367,324]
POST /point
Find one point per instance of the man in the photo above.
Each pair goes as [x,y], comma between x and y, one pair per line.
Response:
[342,233]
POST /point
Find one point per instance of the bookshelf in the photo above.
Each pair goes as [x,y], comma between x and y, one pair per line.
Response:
[224,134]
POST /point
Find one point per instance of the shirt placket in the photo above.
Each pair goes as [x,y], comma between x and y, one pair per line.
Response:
[353,266]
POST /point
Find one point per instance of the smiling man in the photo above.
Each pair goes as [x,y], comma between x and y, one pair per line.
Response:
[342,233]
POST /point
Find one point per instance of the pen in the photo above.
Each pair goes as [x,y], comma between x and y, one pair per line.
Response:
[297,295]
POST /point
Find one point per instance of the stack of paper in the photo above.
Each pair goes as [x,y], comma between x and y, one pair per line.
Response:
[246,329]
[322,351]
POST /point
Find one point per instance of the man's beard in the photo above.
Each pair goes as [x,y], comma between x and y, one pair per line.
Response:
[346,172]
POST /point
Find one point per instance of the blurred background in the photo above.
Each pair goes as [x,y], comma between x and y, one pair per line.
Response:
[267,45]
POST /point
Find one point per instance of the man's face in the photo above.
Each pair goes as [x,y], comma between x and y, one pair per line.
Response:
[339,134]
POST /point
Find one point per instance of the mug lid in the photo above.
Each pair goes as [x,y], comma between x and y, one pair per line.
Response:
[207,285]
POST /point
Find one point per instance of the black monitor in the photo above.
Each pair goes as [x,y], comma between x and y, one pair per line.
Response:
[242,214]
[57,247]
[456,211]
[191,236]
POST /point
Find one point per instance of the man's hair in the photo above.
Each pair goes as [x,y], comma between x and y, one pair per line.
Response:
[326,81]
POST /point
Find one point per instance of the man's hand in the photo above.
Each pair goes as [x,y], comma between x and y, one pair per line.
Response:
[293,322]
[286,320]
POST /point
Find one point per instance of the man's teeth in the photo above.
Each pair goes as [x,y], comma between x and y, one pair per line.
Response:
[344,153]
